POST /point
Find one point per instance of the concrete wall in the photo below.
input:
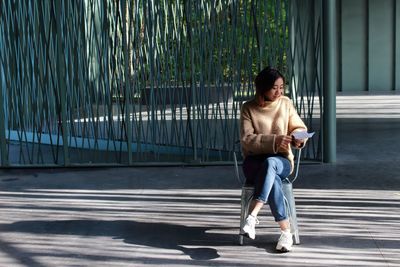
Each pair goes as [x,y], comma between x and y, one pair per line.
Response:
[368,34]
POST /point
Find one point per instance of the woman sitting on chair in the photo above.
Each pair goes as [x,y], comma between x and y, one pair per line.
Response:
[267,123]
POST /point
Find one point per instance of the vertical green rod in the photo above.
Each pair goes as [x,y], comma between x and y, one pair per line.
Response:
[127,80]
[329,80]
[397,46]
[61,74]
[396,50]
[3,147]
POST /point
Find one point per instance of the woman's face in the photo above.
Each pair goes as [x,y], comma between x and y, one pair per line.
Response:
[276,91]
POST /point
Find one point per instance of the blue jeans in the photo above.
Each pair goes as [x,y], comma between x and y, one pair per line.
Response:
[266,172]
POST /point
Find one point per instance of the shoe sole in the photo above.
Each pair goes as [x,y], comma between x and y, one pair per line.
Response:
[283,249]
[246,234]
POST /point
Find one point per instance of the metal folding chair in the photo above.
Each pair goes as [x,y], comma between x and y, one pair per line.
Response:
[287,186]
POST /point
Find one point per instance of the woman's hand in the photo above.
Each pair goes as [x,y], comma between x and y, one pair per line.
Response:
[283,141]
[297,143]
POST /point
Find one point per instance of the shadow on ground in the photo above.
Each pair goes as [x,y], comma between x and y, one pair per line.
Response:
[159,235]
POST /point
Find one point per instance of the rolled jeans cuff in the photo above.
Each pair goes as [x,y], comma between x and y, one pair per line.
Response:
[261,200]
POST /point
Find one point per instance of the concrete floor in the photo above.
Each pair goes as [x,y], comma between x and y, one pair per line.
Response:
[349,212]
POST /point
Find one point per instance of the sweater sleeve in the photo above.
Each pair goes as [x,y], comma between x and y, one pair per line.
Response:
[295,122]
[254,143]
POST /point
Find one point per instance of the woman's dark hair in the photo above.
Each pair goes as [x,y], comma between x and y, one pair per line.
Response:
[265,80]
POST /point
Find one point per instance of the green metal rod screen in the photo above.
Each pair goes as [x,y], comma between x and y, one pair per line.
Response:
[125,82]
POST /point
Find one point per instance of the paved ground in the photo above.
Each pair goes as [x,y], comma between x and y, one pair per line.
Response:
[349,213]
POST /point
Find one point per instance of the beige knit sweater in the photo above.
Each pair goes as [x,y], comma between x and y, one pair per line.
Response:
[259,126]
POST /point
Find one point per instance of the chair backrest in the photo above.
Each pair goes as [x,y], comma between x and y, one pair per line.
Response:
[292,178]
[237,174]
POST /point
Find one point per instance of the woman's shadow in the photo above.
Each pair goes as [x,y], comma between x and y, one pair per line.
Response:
[161,235]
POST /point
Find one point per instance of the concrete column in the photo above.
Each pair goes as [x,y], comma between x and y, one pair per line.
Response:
[329,33]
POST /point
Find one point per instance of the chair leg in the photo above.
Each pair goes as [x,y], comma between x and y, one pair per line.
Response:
[296,237]
[247,196]
[288,192]
[241,239]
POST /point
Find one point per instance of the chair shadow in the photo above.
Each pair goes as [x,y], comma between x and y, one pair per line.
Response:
[265,242]
[160,235]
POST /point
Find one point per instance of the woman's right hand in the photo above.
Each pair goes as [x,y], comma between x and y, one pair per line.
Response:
[283,141]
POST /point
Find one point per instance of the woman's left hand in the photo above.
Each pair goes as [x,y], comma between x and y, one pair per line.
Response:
[298,142]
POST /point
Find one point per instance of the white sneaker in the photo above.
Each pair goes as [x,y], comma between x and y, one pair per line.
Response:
[250,226]
[285,241]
